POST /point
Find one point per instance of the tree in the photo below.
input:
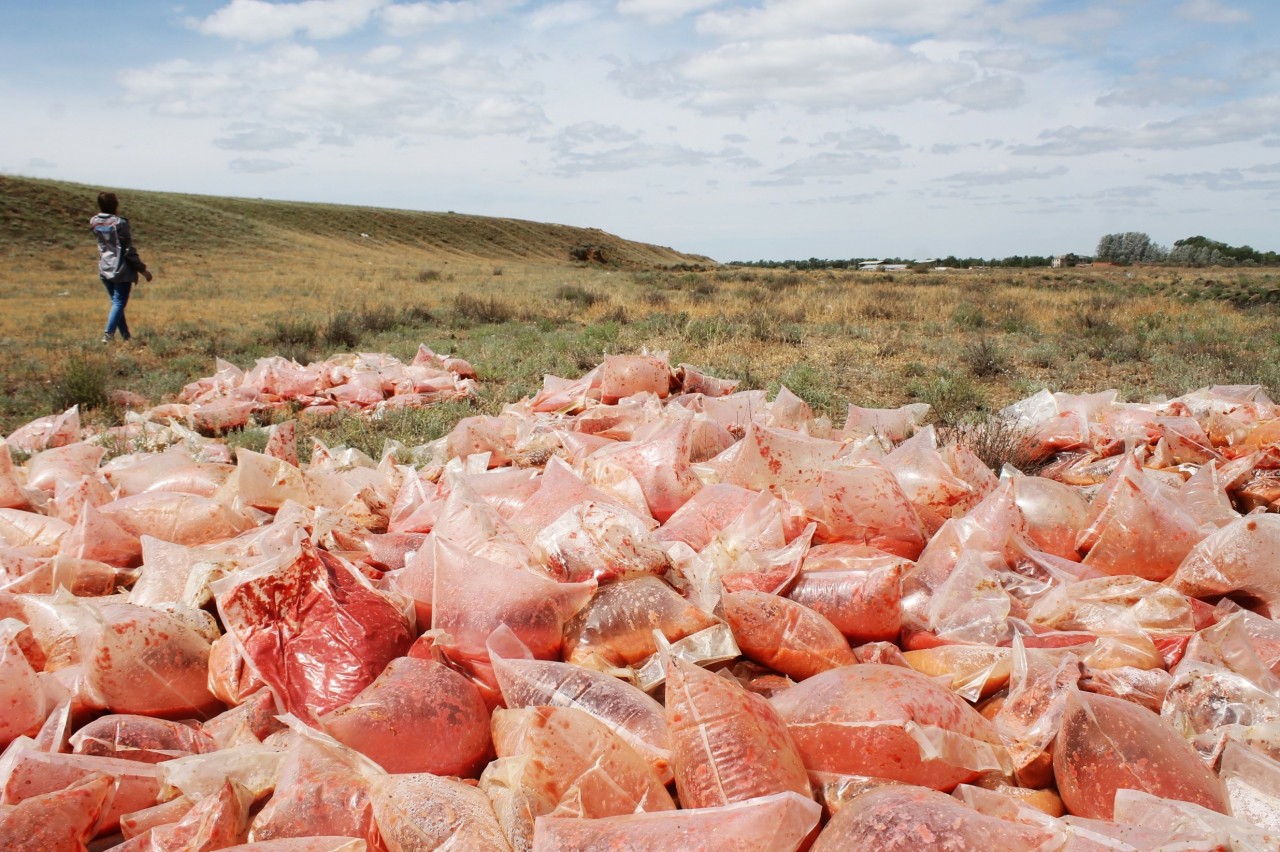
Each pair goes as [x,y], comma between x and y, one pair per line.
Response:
[1130,247]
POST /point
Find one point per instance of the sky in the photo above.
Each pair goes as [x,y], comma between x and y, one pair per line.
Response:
[769,129]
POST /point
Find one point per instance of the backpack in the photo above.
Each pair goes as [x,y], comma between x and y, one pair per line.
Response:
[117,257]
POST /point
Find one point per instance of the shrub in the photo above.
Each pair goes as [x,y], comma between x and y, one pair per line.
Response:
[953,399]
[294,332]
[426,276]
[83,382]
[996,442]
[579,295]
[985,357]
[479,309]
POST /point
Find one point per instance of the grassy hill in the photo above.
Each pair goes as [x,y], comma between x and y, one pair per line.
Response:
[40,215]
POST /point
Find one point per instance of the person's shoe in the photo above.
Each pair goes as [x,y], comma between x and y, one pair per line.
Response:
[106,338]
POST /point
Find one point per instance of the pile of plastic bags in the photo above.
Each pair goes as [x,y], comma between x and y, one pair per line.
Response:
[646,610]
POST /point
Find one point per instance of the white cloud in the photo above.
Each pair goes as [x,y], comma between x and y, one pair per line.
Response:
[1003,175]
[39,164]
[863,139]
[992,92]
[257,20]
[1250,119]
[242,165]
[559,15]
[408,18]
[1155,89]
[1008,59]
[1229,179]
[663,11]
[245,136]
[835,165]
[780,18]
[821,72]
[1211,12]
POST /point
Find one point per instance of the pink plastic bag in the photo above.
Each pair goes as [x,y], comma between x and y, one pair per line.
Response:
[777,823]
[473,597]
[140,738]
[1106,744]
[727,745]
[323,790]
[908,819]
[889,722]
[616,628]
[58,821]
[858,589]
[312,628]
[784,635]
[424,812]
[147,662]
[625,710]
[561,761]
[418,716]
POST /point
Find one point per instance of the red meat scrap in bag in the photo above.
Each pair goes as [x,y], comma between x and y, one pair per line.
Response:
[313,628]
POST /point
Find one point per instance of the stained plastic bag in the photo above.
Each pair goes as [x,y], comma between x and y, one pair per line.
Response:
[776,823]
[418,716]
[312,628]
[1105,744]
[784,635]
[424,812]
[561,761]
[889,722]
[727,745]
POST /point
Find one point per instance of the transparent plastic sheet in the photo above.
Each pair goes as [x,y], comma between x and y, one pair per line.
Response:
[707,647]
[473,597]
[560,761]
[180,518]
[933,488]
[1031,715]
[1243,556]
[971,671]
[661,466]
[727,745]
[68,464]
[1201,698]
[775,823]
[889,722]
[216,822]
[38,535]
[1106,744]
[24,702]
[784,635]
[140,738]
[28,772]
[1188,820]
[254,767]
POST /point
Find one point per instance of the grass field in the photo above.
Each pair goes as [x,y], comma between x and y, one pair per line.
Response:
[240,279]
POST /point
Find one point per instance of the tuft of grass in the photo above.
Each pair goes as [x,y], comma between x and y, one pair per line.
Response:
[294,332]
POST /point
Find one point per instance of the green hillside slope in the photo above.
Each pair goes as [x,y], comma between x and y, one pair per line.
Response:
[39,215]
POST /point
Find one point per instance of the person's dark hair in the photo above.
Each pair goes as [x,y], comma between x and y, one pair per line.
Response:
[108,203]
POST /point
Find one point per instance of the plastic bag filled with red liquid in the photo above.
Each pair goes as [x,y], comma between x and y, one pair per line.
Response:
[1106,744]
[313,629]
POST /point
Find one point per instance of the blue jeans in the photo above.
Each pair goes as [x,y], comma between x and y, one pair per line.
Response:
[119,294]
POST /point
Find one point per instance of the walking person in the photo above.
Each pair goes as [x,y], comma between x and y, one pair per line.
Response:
[118,263]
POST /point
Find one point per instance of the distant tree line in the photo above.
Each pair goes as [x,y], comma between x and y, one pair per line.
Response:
[950,261]
[1123,249]
[1136,247]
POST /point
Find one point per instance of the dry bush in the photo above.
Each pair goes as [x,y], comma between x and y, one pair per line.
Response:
[996,442]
